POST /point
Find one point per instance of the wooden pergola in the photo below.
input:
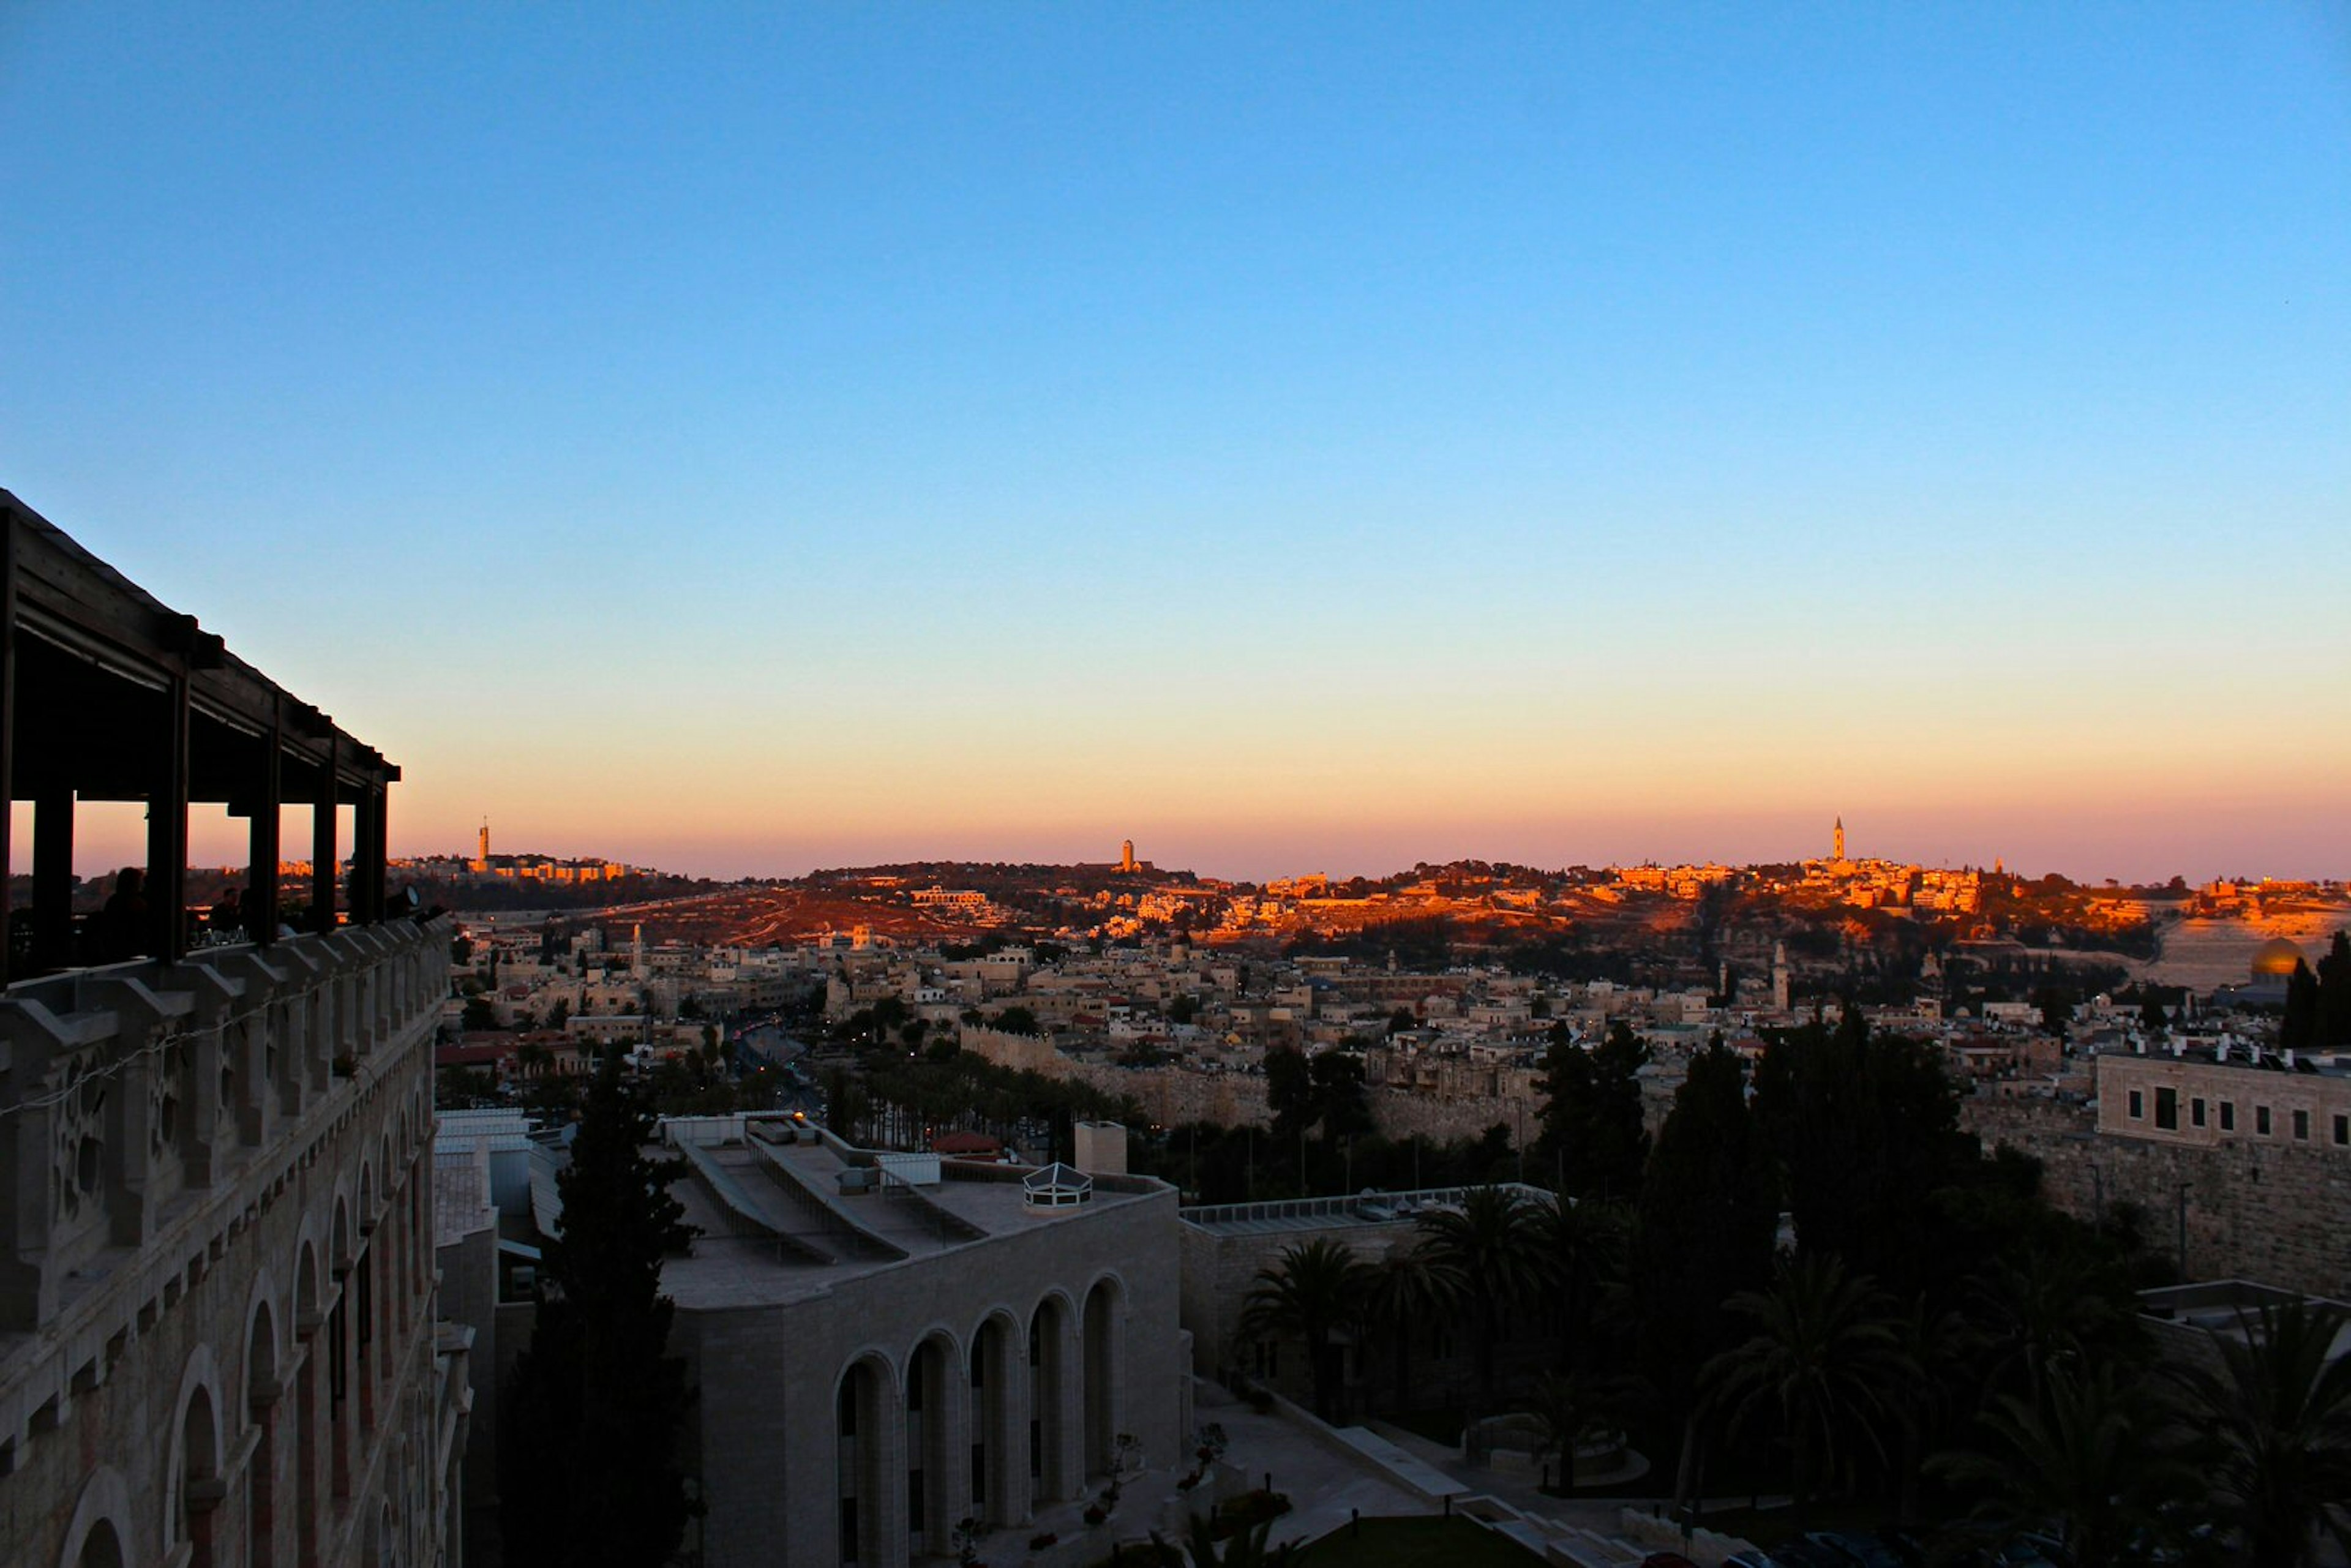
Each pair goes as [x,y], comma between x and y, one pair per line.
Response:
[106,694]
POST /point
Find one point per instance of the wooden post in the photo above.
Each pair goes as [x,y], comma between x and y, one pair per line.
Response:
[322,841]
[8,720]
[167,826]
[262,848]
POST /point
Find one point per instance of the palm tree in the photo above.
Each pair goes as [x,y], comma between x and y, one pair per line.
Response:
[1313,1292]
[1825,1360]
[1492,1242]
[1575,1407]
[1582,1253]
[2053,1305]
[2279,1415]
[1939,1348]
[2098,1461]
[1410,1287]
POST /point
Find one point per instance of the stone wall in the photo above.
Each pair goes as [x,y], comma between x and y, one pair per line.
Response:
[2254,1210]
[219,1259]
[1172,1096]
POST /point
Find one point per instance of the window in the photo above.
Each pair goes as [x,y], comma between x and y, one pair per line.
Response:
[2262,1120]
[2195,1111]
[2228,1115]
[2166,1109]
[2342,1131]
[2138,1105]
[2302,1125]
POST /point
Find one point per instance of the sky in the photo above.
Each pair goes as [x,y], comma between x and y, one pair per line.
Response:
[741,439]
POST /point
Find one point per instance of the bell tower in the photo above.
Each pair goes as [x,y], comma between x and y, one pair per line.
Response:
[1839,852]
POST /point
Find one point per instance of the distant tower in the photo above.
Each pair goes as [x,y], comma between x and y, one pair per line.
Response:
[1779,977]
[482,861]
[1840,838]
[637,956]
[1127,857]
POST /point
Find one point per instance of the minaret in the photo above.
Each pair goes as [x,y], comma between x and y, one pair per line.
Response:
[1779,977]
[1840,838]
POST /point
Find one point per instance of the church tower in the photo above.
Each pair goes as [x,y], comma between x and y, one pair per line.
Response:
[1840,838]
[1126,858]
[482,861]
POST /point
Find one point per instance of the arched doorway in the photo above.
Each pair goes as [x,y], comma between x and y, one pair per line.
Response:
[261,1393]
[868,1466]
[1103,1381]
[1052,1470]
[101,1548]
[993,1400]
[936,1407]
[195,1477]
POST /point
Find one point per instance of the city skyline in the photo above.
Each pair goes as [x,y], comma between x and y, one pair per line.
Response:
[1297,440]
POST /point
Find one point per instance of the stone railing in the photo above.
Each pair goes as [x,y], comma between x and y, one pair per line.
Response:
[136,1098]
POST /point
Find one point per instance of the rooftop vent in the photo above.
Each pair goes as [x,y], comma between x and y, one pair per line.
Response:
[1056,1186]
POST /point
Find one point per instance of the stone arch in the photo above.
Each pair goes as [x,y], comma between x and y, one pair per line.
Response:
[995,1400]
[262,1312]
[304,1300]
[192,1469]
[1053,1380]
[939,1490]
[262,1359]
[340,1235]
[868,1469]
[1103,1356]
[99,1536]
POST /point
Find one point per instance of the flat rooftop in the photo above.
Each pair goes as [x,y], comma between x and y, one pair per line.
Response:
[1286,1214]
[776,1224]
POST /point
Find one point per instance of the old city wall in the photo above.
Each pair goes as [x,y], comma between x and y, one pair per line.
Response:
[1173,1096]
[2262,1211]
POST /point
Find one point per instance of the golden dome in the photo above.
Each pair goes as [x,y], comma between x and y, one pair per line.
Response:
[2277,956]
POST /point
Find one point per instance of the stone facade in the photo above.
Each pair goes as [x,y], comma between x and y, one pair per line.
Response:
[217,1336]
[876,1362]
[2195,1100]
[2248,1208]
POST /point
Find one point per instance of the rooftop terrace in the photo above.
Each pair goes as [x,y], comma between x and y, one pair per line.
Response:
[786,1212]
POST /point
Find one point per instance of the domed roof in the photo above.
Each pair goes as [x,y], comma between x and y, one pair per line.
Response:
[2275,956]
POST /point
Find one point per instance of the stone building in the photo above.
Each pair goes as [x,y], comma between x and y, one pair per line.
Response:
[2205,1100]
[217,1337]
[886,1344]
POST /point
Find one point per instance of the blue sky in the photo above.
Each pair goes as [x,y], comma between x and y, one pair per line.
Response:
[1295,437]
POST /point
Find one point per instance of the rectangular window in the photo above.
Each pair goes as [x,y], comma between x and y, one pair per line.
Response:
[2166,1109]
[2195,1111]
[2262,1120]
[2228,1115]
[2302,1125]
[2342,1131]
[2138,1105]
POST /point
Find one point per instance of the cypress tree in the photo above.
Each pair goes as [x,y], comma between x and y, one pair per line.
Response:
[2299,1028]
[589,1465]
[1709,1212]
[2334,993]
[1591,1117]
